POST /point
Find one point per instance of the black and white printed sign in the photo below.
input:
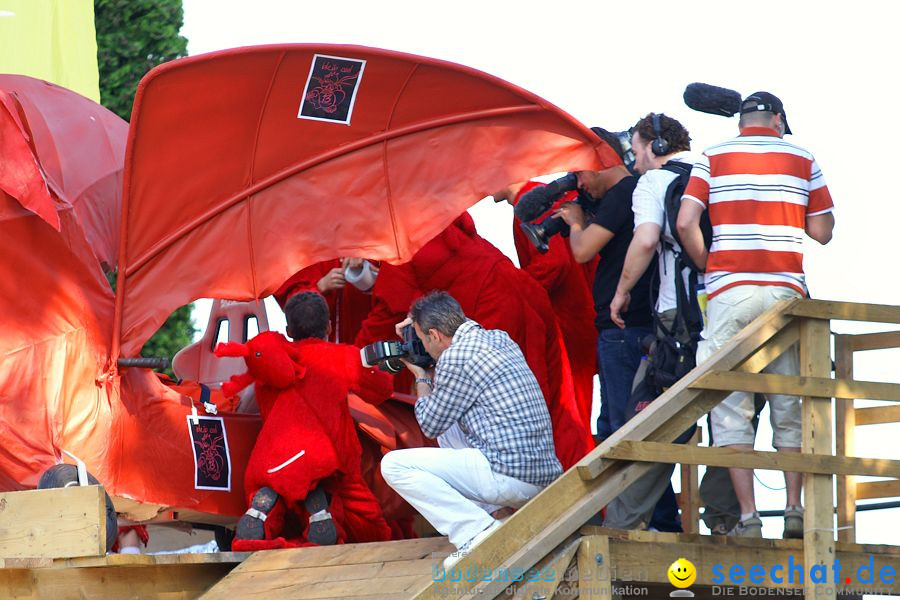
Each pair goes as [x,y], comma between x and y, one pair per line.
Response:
[212,461]
[331,88]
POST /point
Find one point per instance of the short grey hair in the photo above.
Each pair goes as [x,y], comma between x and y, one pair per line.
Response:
[438,310]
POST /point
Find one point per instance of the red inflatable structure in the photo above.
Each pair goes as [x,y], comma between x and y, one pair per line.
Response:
[241,168]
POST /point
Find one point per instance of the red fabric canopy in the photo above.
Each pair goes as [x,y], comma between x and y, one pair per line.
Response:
[55,123]
[57,305]
[246,165]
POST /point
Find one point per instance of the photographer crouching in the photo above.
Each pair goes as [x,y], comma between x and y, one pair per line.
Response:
[483,386]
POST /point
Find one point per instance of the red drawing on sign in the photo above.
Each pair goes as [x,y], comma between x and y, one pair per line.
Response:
[209,460]
[330,92]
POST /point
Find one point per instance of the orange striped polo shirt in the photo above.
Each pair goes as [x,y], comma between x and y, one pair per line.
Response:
[758,189]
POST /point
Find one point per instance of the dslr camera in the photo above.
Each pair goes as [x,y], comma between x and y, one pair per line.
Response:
[386,355]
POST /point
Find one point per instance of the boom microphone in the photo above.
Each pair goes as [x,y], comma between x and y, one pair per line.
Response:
[537,201]
[712,99]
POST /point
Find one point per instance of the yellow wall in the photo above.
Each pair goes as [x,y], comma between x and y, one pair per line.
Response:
[53,40]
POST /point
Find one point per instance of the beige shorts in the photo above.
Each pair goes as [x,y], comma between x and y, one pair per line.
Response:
[731,420]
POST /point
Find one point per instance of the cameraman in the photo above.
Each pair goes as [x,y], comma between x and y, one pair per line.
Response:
[609,229]
[483,384]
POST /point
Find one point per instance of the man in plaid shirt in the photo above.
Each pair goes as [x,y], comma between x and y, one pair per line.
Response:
[485,398]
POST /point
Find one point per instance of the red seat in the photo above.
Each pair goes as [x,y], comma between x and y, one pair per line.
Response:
[197,362]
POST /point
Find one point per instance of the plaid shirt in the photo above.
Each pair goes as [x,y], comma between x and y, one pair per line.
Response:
[483,382]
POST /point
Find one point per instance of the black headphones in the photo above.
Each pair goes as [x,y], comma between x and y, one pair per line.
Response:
[660,146]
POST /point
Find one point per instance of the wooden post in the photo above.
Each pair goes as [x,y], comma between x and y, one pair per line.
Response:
[595,568]
[845,426]
[818,535]
[690,493]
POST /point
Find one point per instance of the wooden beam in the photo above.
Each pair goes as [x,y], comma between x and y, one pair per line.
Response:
[656,421]
[646,556]
[551,573]
[845,432]
[877,415]
[53,523]
[689,498]
[821,387]
[884,340]
[163,577]
[594,568]
[818,534]
[775,347]
[745,459]
[868,490]
[846,311]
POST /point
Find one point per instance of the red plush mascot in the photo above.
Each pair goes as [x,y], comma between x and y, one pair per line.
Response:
[303,478]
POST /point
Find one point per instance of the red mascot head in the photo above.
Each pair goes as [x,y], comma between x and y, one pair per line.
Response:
[271,361]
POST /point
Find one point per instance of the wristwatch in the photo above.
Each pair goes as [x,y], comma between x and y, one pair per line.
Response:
[426,380]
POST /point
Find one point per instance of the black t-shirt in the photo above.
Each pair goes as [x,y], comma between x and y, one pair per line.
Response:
[613,212]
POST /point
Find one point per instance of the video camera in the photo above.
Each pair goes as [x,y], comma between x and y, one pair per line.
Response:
[537,201]
[386,355]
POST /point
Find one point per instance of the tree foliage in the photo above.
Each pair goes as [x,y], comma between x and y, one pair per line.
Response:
[133,36]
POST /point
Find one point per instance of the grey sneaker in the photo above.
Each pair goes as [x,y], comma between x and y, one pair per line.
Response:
[793,522]
[749,528]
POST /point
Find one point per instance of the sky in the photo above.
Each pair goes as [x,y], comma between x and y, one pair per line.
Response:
[833,66]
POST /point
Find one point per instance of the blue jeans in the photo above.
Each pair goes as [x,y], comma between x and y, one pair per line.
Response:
[618,356]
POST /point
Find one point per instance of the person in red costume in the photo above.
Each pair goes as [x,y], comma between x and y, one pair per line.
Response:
[348,305]
[303,478]
[493,292]
[568,284]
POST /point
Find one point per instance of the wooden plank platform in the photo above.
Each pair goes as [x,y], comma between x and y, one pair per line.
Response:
[375,571]
[118,576]
[589,565]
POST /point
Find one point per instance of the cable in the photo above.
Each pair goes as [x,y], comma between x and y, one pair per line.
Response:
[756,477]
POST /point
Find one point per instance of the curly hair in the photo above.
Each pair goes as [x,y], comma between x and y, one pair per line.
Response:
[307,316]
[670,130]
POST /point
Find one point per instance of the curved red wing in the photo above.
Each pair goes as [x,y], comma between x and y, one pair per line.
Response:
[237,175]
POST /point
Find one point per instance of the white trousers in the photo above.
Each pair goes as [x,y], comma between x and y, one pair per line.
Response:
[450,486]
[732,419]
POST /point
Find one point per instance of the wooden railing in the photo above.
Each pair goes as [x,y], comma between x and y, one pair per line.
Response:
[537,529]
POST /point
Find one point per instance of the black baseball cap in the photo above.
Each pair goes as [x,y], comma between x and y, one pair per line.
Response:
[765,101]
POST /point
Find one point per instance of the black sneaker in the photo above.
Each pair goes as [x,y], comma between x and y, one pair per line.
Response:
[321,526]
[252,524]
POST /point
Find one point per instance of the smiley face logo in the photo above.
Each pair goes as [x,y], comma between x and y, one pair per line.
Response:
[682,573]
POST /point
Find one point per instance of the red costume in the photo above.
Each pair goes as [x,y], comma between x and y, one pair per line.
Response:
[569,286]
[308,436]
[347,307]
[492,291]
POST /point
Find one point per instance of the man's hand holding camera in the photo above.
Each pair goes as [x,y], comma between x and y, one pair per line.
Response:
[424,377]
[572,214]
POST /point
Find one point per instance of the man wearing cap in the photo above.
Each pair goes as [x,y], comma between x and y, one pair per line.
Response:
[762,193]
